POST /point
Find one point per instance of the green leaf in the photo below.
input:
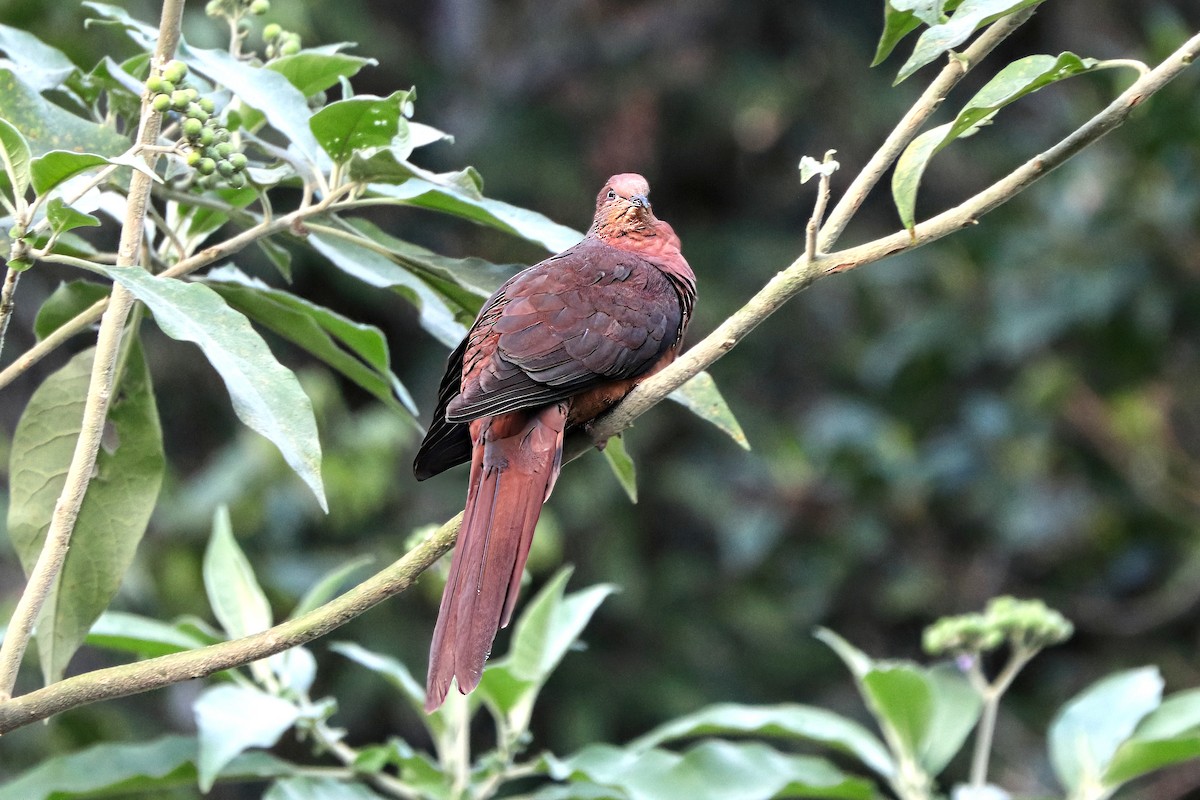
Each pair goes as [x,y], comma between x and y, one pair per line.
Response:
[130,769]
[1138,757]
[622,466]
[970,16]
[902,17]
[787,721]
[447,324]
[115,510]
[237,600]
[956,710]
[53,168]
[14,158]
[448,197]
[701,396]
[361,122]
[231,719]
[64,303]
[312,72]
[63,218]
[901,699]
[266,396]
[550,625]
[47,127]
[326,588]
[133,633]
[910,166]
[858,662]
[357,351]
[300,787]
[394,672]
[1087,732]
[713,770]
[41,66]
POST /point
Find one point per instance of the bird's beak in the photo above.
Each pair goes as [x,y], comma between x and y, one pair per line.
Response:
[640,200]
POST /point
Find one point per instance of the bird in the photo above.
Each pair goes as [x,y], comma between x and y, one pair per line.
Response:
[557,345]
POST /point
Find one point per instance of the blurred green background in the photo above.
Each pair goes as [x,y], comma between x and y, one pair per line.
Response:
[1011,410]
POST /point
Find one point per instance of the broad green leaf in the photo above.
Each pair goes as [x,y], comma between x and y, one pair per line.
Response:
[394,672]
[237,600]
[53,168]
[787,721]
[361,122]
[231,719]
[360,352]
[64,303]
[910,166]
[313,72]
[115,510]
[621,464]
[1087,732]
[713,770]
[41,66]
[970,16]
[326,588]
[133,633]
[902,700]
[141,769]
[63,218]
[1167,735]
[446,196]
[465,281]
[266,395]
[956,709]
[279,256]
[14,159]
[299,787]
[47,127]
[296,669]
[551,624]
[447,324]
[701,396]
[902,17]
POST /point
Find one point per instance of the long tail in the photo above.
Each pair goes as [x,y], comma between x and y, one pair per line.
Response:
[514,464]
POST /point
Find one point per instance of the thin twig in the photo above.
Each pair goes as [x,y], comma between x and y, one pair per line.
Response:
[49,564]
[906,130]
[818,213]
[7,303]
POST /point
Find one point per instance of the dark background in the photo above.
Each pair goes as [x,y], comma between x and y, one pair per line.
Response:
[1010,410]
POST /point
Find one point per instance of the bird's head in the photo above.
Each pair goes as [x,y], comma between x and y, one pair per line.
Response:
[623,207]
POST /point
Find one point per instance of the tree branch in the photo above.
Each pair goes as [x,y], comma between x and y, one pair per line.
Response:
[45,572]
[159,672]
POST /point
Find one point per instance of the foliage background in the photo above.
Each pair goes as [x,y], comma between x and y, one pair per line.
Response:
[1013,410]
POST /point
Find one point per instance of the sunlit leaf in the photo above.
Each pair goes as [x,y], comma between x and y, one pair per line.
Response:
[41,66]
[313,72]
[701,396]
[910,166]
[360,122]
[621,464]
[232,719]
[1087,732]
[14,161]
[47,127]
[50,169]
[966,19]
[63,218]
[115,511]
[133,633]
[266,396]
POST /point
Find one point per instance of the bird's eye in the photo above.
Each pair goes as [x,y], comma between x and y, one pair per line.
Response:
[612,195]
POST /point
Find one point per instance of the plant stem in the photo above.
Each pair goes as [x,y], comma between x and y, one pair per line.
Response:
[7,302]
[46,570]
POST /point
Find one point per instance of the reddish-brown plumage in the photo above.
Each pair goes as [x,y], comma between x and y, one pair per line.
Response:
[554,347]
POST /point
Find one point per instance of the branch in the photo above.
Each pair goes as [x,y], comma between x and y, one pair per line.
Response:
[45,572]
[156,673]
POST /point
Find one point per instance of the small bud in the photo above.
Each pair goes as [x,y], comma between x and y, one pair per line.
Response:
[260,7]
[272,32]
[179,99]
[207,104]
[239,161]
[174,71]
[223,149]
[206,137]
[193,158]
[160,103]
[207,166]
[192,128]
[225,168]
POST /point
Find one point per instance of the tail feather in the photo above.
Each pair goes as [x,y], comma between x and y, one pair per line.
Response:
[514,465]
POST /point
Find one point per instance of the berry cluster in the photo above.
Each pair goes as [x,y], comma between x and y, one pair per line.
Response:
[235,8]
[1027,624]
[280,42]
[210,152]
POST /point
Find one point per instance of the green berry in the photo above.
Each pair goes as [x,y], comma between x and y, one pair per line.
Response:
[160,103]
[225,168]
[237,180]
[215,8]
[156,85]
[206,166]
[223,149]
[174,71]
[193,158]
[290,47]
[206,137]
[192,128]
[193,94]
[272,32]
[239,161]
[260,7]
[207,104]
[179,100]
[194,111]
[221,134]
